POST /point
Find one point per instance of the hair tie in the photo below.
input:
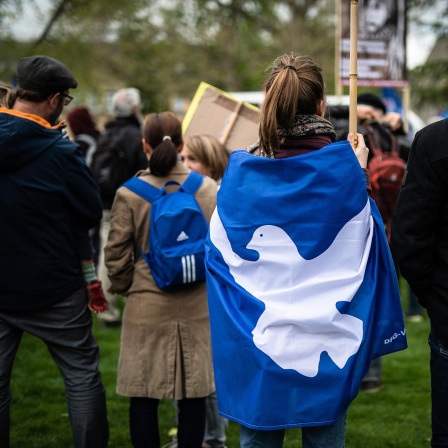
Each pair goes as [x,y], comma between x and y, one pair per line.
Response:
[291,67]
[167,137]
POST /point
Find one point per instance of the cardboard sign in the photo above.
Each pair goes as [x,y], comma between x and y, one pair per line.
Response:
[214,112]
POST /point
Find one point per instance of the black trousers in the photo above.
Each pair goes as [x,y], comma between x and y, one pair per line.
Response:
[144,426]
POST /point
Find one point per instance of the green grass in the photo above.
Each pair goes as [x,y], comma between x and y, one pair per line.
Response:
[398,416]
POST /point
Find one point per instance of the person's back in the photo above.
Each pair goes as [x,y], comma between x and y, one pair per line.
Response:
[291,253]
[118,156]
[422,208]
[165,342]
[49,201]
[125,128]
[419,245]
[48,190]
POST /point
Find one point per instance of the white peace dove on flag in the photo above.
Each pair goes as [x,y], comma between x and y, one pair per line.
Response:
[301,320]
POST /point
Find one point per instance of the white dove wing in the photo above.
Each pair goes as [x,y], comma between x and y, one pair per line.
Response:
[301,320]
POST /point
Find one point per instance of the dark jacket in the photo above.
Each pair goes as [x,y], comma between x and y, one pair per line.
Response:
[48,200]
[420,225]
[132,143]
[339,118]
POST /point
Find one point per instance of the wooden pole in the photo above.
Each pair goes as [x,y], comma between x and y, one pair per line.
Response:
[337,55]
[231,124]
[353,116]
[406,107]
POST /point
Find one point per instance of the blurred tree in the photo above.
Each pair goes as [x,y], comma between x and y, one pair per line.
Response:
[436,20]
[429,82]
[165,48]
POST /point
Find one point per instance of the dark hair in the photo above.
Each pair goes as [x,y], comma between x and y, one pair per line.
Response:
[80,120]
[295,85]
[32,97]
[163,132]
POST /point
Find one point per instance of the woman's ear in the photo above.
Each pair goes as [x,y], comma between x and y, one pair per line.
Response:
[320,108]
[181,146]
[146,147]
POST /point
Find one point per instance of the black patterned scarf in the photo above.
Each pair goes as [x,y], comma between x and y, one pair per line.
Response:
[306,125]
[302,126]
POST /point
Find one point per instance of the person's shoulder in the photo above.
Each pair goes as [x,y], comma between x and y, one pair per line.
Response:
[207,186]
[124,122]
[433,134]
[70,151]
[434,129]
[65,143]
[430,142]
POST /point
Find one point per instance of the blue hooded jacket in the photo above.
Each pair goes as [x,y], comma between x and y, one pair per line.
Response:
[48,201]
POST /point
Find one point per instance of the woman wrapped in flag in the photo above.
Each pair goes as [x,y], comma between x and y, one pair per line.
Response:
[301,286]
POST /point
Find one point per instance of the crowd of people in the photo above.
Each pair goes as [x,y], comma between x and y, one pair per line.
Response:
[73,231]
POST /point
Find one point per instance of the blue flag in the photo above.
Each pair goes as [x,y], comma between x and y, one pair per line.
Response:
[392,100]
[302,288]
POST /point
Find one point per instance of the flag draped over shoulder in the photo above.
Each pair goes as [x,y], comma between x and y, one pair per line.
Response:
[302,288]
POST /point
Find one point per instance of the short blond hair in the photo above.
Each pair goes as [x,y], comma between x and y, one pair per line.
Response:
[210,152]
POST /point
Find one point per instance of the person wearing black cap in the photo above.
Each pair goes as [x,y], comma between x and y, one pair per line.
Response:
[45,82]
[388,127]
[39,77]
[49,201]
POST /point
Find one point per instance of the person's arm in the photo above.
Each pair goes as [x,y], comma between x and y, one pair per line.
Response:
[416,217]
[84,199]
[96,300]
[84,247]
[119,250]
